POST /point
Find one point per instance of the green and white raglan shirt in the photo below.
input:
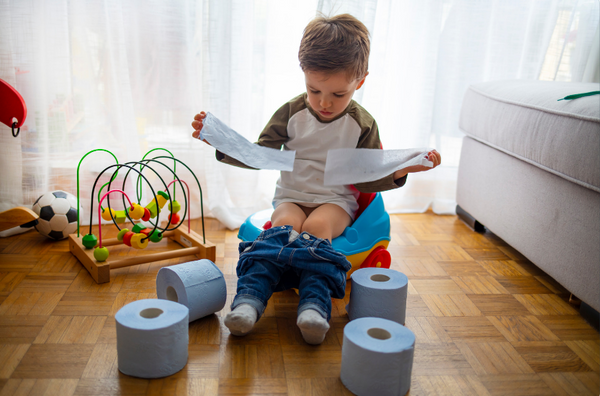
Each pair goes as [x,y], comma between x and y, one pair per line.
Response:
[295,126]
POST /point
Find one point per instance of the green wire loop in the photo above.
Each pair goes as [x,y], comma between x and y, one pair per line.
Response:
[140,176]
[80,161]
[138,191]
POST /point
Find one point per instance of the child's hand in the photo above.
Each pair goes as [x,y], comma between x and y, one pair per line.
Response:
[432,156]
[197,124]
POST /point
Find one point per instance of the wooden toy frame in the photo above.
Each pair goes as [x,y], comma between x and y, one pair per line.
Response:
[100,271]
[191,242]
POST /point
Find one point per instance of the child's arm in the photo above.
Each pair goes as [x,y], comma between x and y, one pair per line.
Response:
[274,135]
[432,156]
[370,139]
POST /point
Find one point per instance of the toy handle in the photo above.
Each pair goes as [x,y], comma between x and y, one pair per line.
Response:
[13,110]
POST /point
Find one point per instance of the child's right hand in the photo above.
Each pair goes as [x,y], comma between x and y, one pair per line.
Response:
[197,124]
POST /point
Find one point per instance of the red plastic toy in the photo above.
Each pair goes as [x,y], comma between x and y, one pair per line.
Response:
[13,110]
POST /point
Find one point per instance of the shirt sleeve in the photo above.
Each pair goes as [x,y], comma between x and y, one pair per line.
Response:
[369,138]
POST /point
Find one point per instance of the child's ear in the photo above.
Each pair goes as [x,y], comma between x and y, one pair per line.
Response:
[362,81]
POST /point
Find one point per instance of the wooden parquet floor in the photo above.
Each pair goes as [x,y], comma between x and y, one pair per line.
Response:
[487,322]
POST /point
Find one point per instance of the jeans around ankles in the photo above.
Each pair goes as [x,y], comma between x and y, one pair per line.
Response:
[271,263]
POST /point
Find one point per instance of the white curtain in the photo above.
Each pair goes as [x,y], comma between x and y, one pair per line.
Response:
[128,76]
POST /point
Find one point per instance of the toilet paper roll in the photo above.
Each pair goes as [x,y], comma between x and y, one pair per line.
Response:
[199,285]
[152,338]
[378,292]
[377,357]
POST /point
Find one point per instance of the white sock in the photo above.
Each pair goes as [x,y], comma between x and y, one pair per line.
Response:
[241,320]
[313,326]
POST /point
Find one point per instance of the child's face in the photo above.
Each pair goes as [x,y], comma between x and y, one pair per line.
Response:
[330,94]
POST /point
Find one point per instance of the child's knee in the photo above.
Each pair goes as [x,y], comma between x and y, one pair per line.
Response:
[288,215]
[287,220]
[318,227]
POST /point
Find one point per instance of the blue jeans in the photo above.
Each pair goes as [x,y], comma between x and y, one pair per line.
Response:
[271,263]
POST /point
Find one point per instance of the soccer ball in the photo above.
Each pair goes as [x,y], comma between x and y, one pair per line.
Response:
[58,214]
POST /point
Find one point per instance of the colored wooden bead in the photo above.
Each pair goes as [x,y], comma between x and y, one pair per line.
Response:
[108,214]
[162,197]
[156,236]
[174,218]
[161,201]
[163,194]
[121,234]
[89,241]
[101,253]
[146,231]
[136,211]
[120,216]
[139,241]
[146,215]
[152,208]
[127,238]
[176,207]
[137,228]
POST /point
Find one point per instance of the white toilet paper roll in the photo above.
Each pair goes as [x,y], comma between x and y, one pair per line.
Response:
[152,338]
[377,357]
[378,292]
[199,285]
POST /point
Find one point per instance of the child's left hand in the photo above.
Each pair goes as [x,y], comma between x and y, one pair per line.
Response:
[432,156]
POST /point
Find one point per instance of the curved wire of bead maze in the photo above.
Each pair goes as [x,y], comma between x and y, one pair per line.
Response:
[192,243]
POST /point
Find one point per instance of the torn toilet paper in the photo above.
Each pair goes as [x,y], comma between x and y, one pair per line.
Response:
[231,143]
[351,166]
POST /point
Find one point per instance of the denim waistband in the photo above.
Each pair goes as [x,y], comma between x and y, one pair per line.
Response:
[304,239]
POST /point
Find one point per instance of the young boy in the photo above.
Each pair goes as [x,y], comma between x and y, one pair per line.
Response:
[296,252]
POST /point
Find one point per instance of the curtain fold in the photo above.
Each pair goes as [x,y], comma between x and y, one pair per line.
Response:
[128,76]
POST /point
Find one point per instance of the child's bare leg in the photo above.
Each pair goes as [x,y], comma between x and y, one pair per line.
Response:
[290,214]
[327,221]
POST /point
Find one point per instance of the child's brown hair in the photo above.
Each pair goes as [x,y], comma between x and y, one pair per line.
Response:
[335,44]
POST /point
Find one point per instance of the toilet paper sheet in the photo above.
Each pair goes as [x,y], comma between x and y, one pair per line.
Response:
[229,142]
[351,166]
[378,292]
[377,357]
[152,338]
[199,285]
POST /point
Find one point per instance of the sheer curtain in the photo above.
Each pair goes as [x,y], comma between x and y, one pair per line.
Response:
[128,76]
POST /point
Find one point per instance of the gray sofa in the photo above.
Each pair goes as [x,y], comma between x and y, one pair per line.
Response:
[530,173]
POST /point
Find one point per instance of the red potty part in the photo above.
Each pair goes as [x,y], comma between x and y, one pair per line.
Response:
[378,258]
[11,105]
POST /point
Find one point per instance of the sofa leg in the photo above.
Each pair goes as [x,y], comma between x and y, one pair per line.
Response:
[469,220]
[590,315]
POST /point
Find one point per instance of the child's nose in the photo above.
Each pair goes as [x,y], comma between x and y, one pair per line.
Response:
[325,103]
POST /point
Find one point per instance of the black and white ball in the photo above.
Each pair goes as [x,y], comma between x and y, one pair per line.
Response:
[58,214]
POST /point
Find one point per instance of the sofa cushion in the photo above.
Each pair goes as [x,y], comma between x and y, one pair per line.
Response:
[524,118]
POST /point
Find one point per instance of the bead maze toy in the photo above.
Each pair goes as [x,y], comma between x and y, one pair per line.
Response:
[93,251]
